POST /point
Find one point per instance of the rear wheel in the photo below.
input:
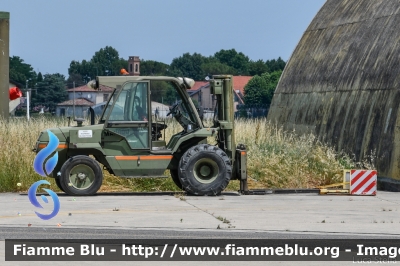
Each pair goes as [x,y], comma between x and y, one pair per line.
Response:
[205,170]
[81,176]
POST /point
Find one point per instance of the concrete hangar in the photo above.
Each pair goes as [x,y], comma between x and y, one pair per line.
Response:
[342,83]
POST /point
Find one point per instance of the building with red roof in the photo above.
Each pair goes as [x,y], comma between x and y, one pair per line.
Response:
[200,92]
[81,98]
[239,82]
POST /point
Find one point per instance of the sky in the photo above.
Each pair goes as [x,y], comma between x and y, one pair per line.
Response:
[48,35]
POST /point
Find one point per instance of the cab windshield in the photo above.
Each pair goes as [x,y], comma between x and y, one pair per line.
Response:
[108,106]
[128,104]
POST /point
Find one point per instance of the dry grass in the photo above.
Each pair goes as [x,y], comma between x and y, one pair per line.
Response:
[276,159]
[279,159]
[17,139]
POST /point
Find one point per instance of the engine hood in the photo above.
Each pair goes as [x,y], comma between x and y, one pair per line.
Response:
[63,133]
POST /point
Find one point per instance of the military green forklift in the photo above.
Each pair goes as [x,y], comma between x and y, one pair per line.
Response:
[128,142]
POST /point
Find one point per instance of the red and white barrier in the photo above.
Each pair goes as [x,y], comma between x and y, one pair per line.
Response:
[363,182]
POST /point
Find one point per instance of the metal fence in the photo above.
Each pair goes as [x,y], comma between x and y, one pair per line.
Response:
[252,111]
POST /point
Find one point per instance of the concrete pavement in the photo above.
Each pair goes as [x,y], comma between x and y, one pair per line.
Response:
[289,212]
[358,216]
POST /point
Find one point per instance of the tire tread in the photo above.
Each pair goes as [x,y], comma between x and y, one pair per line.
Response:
[186,175]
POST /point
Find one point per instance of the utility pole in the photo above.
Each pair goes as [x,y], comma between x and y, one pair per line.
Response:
[27,101]
[4,64]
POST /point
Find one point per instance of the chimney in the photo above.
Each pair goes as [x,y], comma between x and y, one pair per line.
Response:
[134,66]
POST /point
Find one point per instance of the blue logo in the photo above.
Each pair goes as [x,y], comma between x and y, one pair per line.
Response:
[44,168]
[43,154]
[32,198]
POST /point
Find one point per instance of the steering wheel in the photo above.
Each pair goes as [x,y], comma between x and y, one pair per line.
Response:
[173,110]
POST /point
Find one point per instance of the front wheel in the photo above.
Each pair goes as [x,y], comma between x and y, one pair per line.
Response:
[81,176]
[205,170]
[175,178]
[58,183]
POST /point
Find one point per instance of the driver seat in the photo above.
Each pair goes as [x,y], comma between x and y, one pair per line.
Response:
[140,113]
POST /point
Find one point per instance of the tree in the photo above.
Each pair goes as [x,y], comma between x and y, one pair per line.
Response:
[50,91]
[74,67]
[255,92]
[189,66]
[238,61]
[39,77]
[275,65]
[158,90]
[153,68]
[274,78]
[260,89]
[258,68]
[20,71]
[75,80]
[217,68]
[171,95]
[105,62]
[272,81]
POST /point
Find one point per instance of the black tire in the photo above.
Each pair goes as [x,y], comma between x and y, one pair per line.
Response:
[58,183]
[81,176]
[205,170]
[175,178]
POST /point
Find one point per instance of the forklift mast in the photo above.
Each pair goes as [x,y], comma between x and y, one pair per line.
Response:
[222,87]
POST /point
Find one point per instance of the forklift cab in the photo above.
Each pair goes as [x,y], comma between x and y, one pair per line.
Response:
[128,116]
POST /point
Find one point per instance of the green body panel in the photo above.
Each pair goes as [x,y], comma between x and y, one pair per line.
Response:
[44,137]
[112,162]
[85,134]
[142,166]
[95,146]
[179,138]
[117,145]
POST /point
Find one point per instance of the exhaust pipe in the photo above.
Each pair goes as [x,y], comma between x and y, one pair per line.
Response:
[91,115]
